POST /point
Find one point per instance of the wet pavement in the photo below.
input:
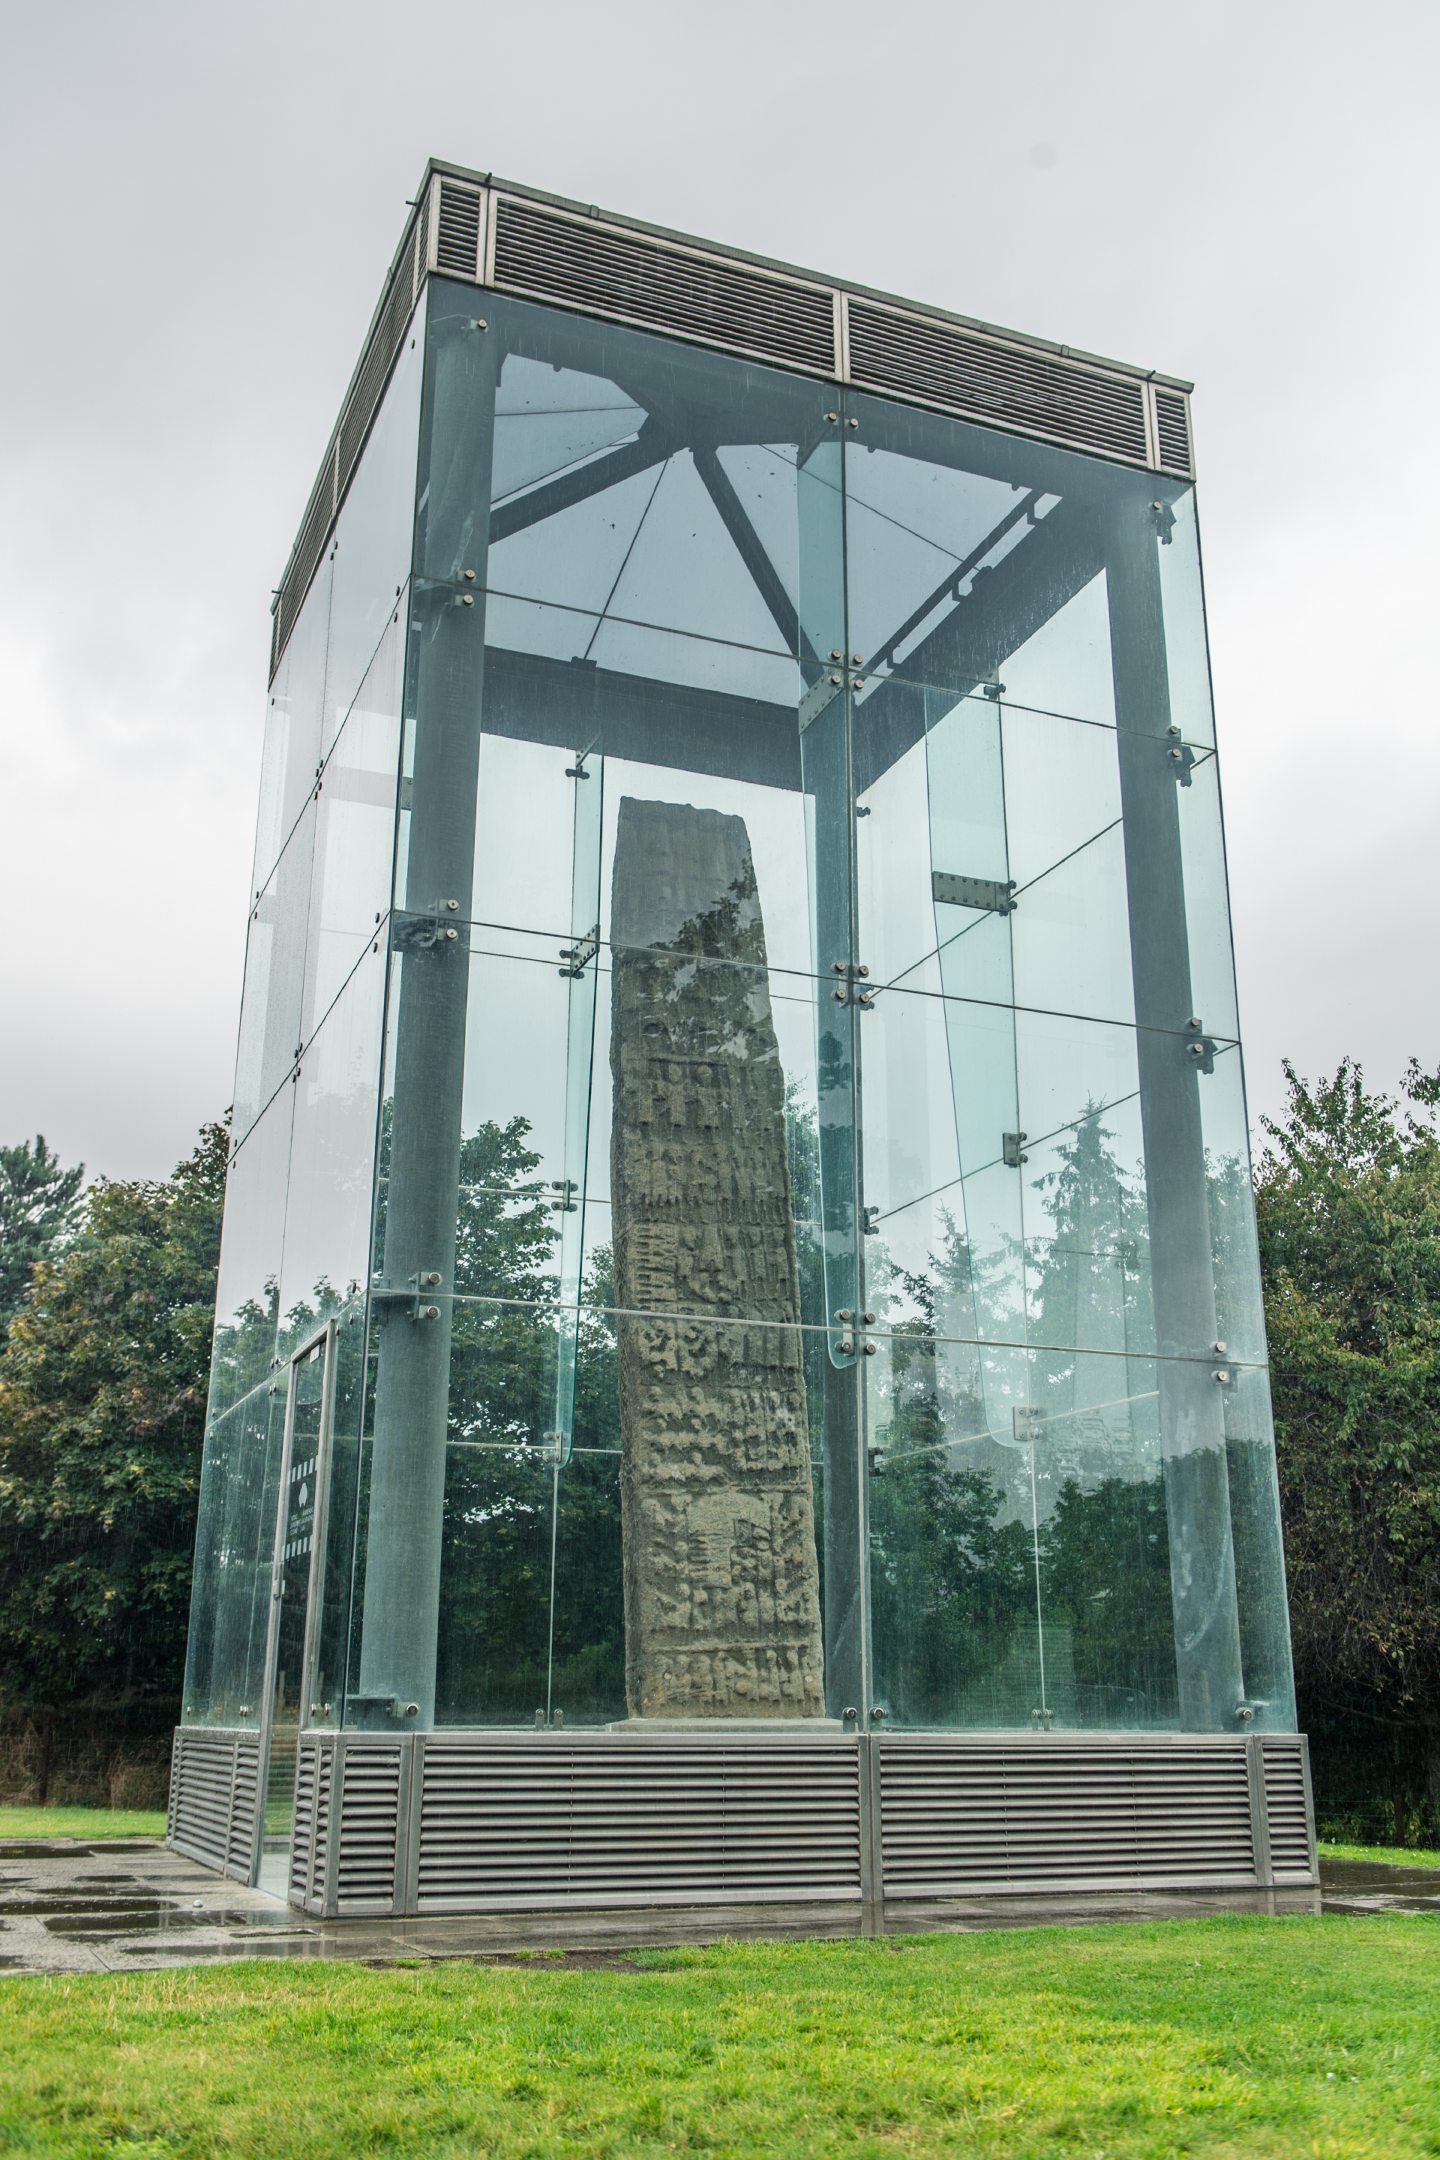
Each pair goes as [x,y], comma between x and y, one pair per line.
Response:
[72,1907]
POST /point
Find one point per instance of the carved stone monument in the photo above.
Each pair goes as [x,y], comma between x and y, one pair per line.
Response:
[722,1611]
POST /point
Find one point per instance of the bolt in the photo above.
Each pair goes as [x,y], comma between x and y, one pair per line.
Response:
[858,659]
[1195,1021]
[839,966]
[1219,1349]
[468,600]
[845,1346]
[868,1318]
[1197,1050]
[849,1715]
[1176,755]
[832,416]
[852,423]
[1174,728]
[866,998]
[1222,1379]
[453,906]
[480,323]
[451,936]
[469,576]
[836,654]
[871,1348]
[835,678]
[842,997]
[862,969]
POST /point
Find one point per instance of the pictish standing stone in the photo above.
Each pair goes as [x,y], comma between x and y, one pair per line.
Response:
[722,1609]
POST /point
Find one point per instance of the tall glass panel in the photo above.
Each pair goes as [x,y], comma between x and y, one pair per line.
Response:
[1056,1182]
[636,570]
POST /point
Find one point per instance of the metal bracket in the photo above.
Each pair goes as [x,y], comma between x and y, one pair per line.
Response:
[992,896]
[1200,1051]
[1164,518]
[579,956]
[404,1713]
[1011,1143]
[412,1302]
[565,1203]
[1182,762]
[421,933]
[855,976]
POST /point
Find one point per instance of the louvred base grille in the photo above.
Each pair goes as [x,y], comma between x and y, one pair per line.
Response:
[214,1793]
[1287,1804]
[609,1819]
[958,1819]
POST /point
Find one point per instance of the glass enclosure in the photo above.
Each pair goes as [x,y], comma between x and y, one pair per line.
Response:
[738,1077]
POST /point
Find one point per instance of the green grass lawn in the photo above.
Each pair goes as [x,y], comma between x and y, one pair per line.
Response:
[80,1822]
[1215,2037]
[1392,1855]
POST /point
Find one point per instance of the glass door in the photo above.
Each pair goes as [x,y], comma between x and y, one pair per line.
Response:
[299,1553]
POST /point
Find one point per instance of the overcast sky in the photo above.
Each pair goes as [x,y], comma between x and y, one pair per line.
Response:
[201,203]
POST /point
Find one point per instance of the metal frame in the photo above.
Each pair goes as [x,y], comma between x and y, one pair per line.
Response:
[417,263]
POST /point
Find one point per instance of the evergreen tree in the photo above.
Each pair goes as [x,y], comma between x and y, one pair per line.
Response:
[102,1405]
[39,1207]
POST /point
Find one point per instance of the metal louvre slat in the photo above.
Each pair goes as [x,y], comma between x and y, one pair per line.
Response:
[955,1817]
[457,239]
[1291,1851]
[213,1797]
[1035,391]
[605,1820]
[302,1837]
[245,1806]
[379,359]
[644,280]
[1172,428]
[369,1829]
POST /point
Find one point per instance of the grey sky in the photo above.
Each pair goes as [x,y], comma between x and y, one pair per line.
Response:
[201,204]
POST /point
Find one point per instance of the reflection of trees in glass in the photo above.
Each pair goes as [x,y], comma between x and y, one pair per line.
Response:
[1105,1579]
[504,1496]
[951,1585]
[1086,1273]
[972,1561]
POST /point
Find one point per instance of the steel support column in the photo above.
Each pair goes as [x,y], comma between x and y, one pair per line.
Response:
[446,671]
[1192,1429]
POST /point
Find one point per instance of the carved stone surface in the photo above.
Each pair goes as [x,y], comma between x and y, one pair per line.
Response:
[722,1611]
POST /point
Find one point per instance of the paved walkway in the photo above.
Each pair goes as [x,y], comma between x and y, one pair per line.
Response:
[115,1906]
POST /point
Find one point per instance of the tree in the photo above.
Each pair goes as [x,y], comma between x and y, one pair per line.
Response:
[1348,1197]
[102,1408]
[39,1204]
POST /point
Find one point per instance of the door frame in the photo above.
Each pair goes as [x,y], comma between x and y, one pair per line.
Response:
[324,1339]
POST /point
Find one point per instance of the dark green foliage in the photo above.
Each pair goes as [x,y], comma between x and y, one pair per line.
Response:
[1349,1211]
[1105,1572]
[102,1407]
[39,1208]
[503,1500]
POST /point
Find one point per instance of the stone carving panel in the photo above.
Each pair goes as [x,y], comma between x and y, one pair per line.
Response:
[722,1604]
